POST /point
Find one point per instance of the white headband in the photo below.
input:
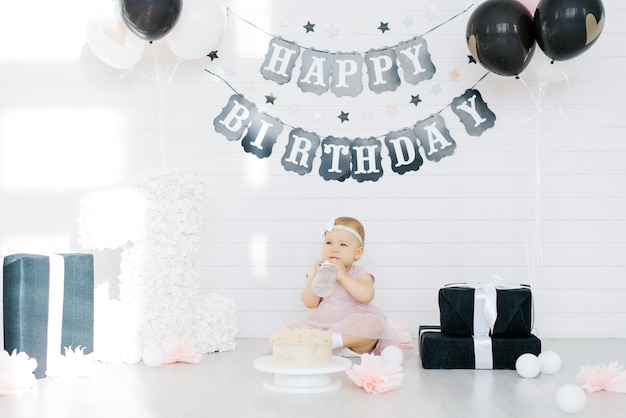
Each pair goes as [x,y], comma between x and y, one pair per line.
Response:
[331,225]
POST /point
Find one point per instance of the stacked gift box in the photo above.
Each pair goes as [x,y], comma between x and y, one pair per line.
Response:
[47,305]
[482,326]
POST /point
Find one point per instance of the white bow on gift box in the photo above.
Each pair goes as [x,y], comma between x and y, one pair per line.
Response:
[485,316]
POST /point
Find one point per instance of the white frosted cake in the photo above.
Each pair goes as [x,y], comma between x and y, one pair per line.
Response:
[302,347]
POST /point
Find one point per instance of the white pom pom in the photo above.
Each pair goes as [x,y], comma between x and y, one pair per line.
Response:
[392,355]
[528,365]
[132,354]
[571,398]
[153,356]
[550,362]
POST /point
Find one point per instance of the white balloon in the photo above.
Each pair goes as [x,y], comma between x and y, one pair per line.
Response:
[153,356]
[110,39]
[550,362]
[571,398]
[528,365]
[199,29]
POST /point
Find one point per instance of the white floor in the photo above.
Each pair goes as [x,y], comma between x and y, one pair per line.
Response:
[227,385]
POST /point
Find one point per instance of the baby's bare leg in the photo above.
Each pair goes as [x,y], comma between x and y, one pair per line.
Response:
[359,345]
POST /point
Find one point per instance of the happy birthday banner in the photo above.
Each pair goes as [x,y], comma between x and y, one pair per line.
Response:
[341,73]
[359,158]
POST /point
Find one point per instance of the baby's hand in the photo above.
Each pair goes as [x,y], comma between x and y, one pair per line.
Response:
[340,267]
[317,265]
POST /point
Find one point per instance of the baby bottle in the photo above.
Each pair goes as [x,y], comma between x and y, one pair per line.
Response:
[324,280]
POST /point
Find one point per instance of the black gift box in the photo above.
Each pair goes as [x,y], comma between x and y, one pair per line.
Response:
[444,351]
[26,293]
[514,308]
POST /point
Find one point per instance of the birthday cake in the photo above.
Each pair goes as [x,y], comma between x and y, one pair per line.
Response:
[302,347]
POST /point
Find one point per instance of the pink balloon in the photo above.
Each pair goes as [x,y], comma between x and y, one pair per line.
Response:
[531,5]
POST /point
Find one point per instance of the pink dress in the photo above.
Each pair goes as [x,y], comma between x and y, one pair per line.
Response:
[340,312]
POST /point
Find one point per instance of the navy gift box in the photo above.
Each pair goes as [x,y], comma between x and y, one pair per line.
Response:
[514,311]
[27,302]
[445,351]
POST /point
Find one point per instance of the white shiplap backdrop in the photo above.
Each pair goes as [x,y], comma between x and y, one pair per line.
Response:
[540,198]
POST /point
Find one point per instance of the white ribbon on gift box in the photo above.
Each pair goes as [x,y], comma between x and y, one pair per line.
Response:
[485,316]
[55,308]
[483,350]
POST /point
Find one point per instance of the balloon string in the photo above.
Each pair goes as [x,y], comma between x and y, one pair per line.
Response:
[160,88]
[537,253]
[534,256]
[543,81]
[162,80]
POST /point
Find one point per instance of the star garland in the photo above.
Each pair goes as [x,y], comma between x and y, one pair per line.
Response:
[344,116]
[383,27]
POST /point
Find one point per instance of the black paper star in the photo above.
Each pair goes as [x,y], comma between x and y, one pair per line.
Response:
[383,27]
[471,59]
[309,27]
[343,117]
[213,55]
[415,99]
[270,98]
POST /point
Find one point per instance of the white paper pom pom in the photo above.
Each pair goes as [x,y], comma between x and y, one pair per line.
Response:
[571,398]
[550,362]
[528,365]
[132,354]
[392,355]
[153,356]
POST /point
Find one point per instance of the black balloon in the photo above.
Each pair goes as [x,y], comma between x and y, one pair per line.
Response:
[501,36]
[567,28]
[151,19]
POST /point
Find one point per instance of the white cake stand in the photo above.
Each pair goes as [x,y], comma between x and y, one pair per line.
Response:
[289,379]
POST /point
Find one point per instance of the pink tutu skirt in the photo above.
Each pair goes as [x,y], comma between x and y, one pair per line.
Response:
[341,313]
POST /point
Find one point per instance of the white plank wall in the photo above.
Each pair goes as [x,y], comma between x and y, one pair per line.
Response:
[539,199]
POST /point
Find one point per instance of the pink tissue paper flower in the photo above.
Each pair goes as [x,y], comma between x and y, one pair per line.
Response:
[16,373]
[182,351]
[405,339]
[611,378]
[374,375]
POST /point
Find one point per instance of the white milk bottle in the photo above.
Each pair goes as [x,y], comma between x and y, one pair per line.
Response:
[324,280]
